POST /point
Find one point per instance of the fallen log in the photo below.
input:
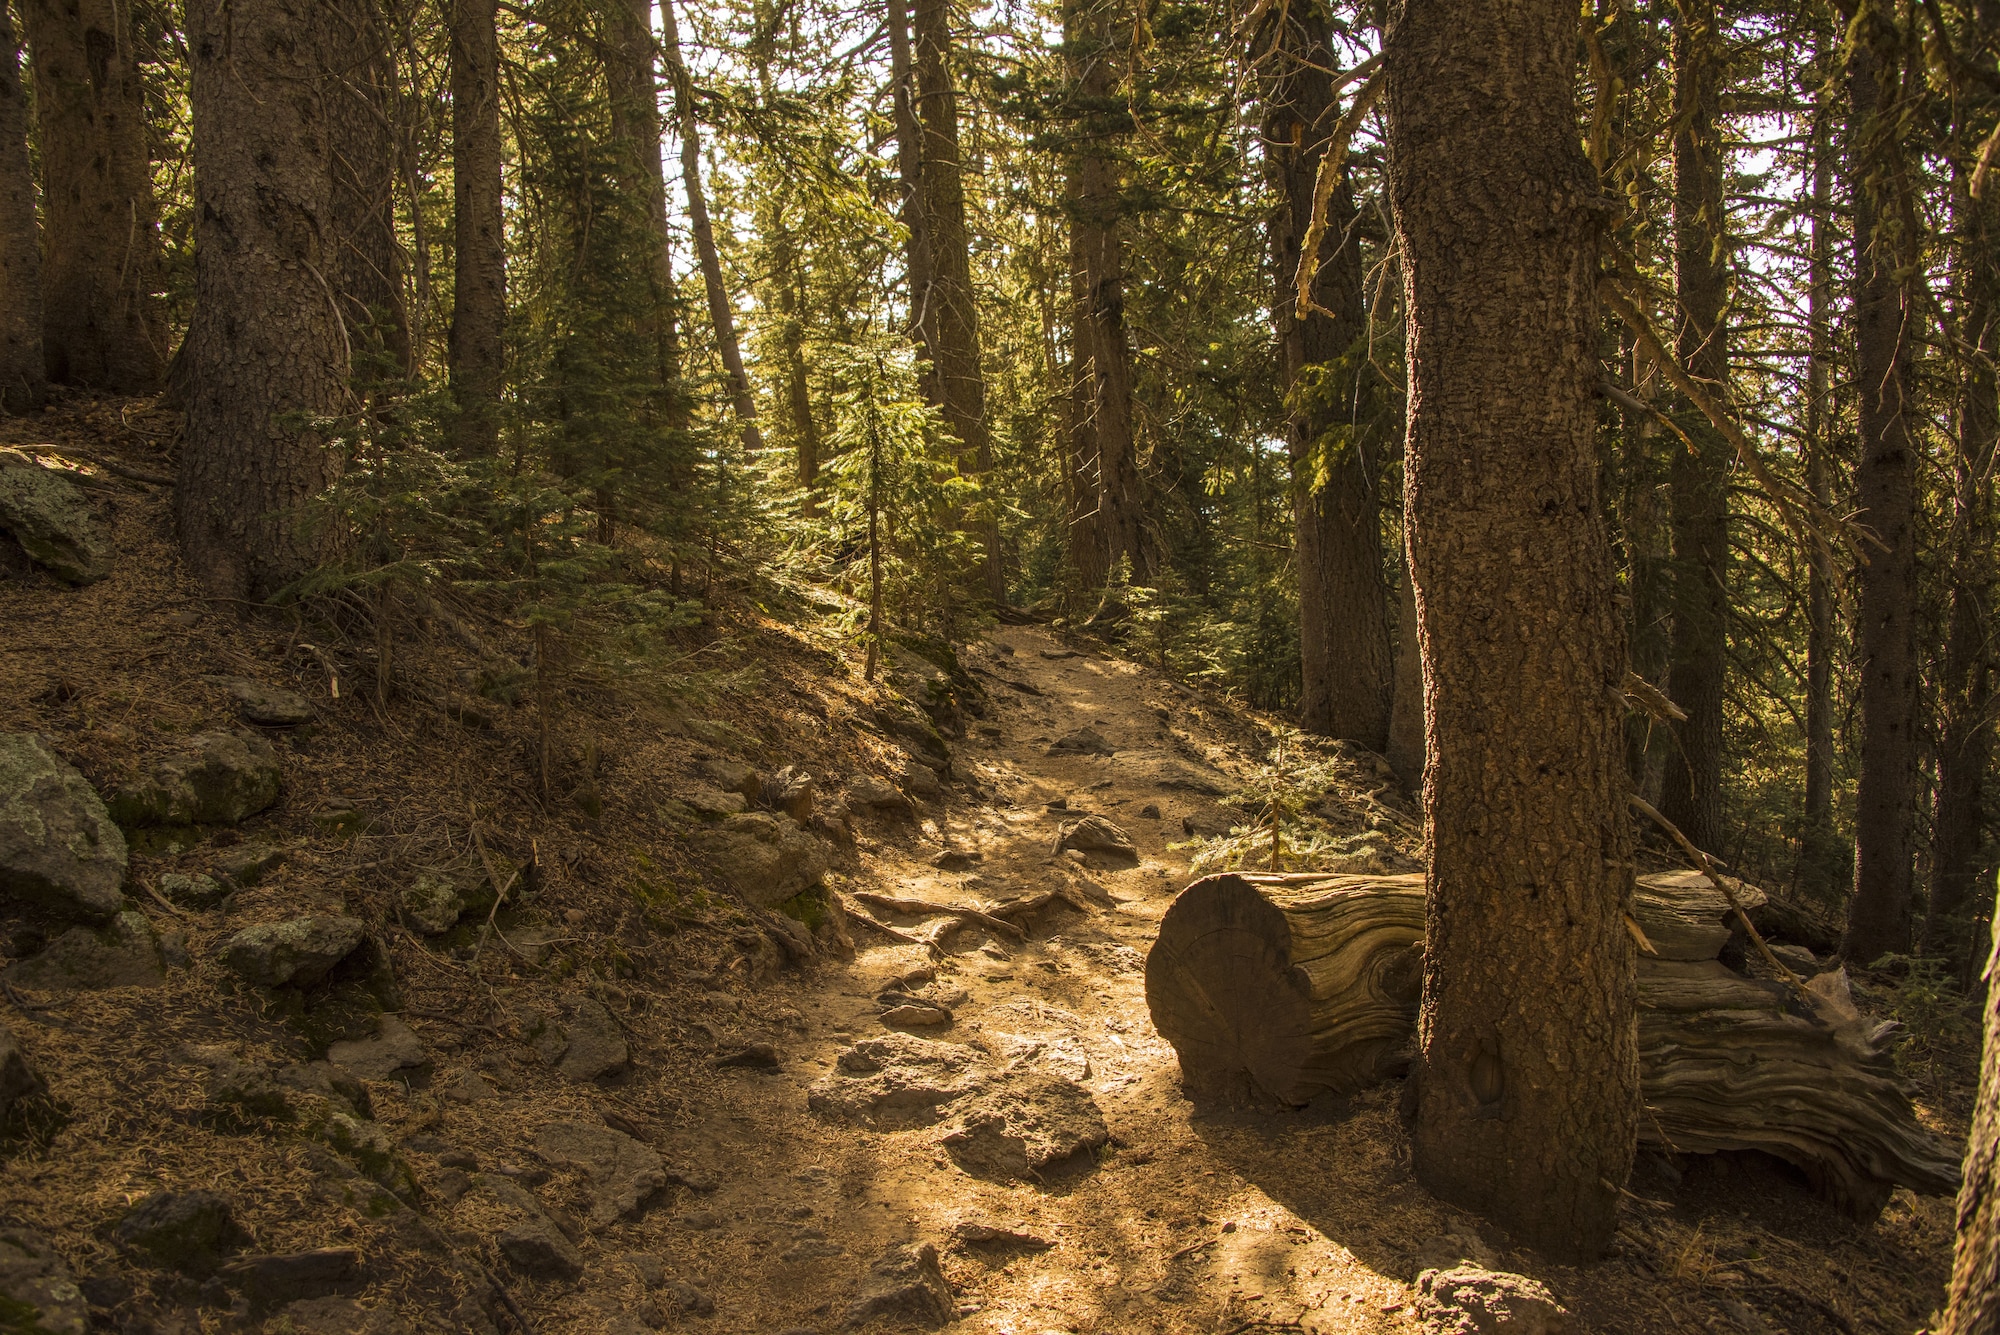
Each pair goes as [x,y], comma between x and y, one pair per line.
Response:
[1278,988]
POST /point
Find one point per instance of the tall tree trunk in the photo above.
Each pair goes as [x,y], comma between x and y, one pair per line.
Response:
[1884,846]
[949,306]
[1527,1095]
[1347,667]
[23,375]
[100,267]
[635,125]
[1973,1304]
[479,304]
[366,263]
[265,350]
[1083,472]
[1819,857]
[1965,734]
[721,314]
[910,173]
[1097,255]
[1691,794]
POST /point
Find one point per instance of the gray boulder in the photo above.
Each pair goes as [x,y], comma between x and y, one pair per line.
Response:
[198,890]
[394,1049]
[36,1290]
[431,903]
[905,1284]
[219,779]
[268,706]
[52,520]
[189,1231]
[921,780]
[124,953]
[59,850]
[766,860]
[624,1173]
[733,776]
[299,951]
[1467,1300]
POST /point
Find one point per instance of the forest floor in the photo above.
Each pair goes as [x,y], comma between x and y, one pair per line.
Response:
[1190,1219]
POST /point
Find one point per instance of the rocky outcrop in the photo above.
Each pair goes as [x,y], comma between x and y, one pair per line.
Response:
[763,858]
[528,1238]
[624,1174]
[60,853]
[300,951]
[1095,834]
[36,1291]
[220,778]
[52,520]
[905,1285]
[123,953]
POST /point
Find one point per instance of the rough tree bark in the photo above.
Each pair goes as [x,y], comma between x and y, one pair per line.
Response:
[1406,715]
[910,172]
[721,314]
[635,125]
[1528,1076]
[1884,845]
[265,348]
[365,265]
[479,306]
[1691,791]
[100,264]
[949,305]
[1097,262]
[1973,1305]
[23,376]
[1347,667]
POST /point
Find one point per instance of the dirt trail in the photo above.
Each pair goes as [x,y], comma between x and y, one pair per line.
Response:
[1190,1219]
[1181,1224]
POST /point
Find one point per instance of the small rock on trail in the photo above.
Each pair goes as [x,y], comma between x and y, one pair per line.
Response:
[1467,1300]
[891,1081]
[905,1284]
[1023,1124]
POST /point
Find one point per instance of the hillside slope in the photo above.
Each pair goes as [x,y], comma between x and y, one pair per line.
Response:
[637,1093]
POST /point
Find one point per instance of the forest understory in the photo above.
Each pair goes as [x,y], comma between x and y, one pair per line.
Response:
[623,1099]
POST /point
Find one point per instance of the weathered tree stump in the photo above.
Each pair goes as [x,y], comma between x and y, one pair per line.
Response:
[1276,989]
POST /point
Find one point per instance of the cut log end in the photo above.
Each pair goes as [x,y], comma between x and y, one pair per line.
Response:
[1241,979]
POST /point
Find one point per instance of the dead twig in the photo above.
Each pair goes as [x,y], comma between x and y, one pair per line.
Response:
[1706,866]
